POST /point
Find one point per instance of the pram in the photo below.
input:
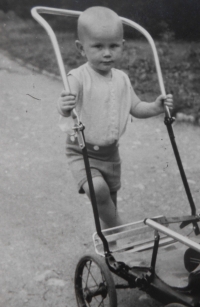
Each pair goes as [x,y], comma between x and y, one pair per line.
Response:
[94,285]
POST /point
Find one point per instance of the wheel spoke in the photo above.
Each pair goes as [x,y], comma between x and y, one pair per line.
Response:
[90,273]
[88,270]
[195,260]
[96,300]
[101,303]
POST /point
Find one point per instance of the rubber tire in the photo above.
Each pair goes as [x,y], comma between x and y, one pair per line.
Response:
[189,265]
[107,278]
[175,305]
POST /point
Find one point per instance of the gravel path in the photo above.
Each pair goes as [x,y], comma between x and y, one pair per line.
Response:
[44,225]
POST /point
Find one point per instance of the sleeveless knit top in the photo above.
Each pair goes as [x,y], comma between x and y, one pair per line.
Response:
[103,104]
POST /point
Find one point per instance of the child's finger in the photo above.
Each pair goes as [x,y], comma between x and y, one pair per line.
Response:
[66,93]
[169,96]
[162,98]
[169,104]
[67,108]
[68,98]
[68,103]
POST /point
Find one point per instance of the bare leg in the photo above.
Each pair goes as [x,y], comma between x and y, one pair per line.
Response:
[113,196]
[106,207]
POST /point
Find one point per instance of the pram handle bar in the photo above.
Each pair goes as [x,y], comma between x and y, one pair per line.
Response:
[155,55]
[173,234]
[36,11]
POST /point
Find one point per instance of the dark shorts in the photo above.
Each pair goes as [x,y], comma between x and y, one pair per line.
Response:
[104,162]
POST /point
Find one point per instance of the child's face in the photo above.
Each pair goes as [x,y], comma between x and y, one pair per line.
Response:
[102,48]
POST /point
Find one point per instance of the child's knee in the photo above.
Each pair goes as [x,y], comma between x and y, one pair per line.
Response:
[101,189]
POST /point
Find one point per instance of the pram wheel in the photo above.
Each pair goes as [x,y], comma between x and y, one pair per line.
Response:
[94,285]
[191,259]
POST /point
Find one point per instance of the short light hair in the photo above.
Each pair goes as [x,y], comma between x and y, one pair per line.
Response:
[98,16]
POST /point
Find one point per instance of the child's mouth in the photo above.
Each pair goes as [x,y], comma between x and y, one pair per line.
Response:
[108,62]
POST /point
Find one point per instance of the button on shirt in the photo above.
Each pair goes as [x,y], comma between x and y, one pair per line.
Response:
[103,104]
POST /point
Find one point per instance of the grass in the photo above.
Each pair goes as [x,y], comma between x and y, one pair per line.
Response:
[180,61]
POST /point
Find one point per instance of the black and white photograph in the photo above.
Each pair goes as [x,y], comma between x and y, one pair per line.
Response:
[99,154]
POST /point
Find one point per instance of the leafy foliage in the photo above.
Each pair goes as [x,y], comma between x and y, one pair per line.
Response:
[180,17]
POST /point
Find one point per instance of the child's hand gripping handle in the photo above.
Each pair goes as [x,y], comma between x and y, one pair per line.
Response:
[78,126]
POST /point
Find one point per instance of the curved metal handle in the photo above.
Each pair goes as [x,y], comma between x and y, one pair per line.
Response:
[36,11]
[155,55]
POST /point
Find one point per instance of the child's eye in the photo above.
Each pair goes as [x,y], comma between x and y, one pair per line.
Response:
[114,45]
[98,46]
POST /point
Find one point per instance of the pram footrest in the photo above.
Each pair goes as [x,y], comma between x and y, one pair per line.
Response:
[133,237]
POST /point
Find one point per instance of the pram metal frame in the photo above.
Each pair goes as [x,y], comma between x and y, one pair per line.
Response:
[144,278]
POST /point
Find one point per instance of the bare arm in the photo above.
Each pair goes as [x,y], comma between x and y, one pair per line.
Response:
[148,109]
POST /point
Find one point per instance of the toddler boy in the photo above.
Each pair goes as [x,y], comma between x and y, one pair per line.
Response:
[103,97]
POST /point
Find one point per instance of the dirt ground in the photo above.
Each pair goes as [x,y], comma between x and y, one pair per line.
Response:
[45,226]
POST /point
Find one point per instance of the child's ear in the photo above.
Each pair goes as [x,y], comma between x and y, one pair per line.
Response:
[80,47]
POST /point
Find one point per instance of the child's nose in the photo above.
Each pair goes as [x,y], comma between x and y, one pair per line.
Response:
[107,52]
